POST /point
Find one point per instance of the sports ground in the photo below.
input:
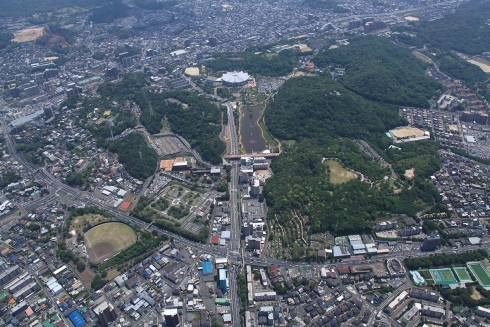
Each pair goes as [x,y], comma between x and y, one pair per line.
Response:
[480,273]
[443,276]
[105,240]
[462,274]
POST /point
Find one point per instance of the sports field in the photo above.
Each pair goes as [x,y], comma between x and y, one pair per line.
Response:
[406,131]
[462,274]
[443,276]
[480,273]
[105,240]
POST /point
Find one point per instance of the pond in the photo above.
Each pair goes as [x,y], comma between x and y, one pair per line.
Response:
[250,133]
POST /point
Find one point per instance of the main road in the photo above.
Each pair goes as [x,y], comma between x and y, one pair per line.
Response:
[57,188]
[234,221]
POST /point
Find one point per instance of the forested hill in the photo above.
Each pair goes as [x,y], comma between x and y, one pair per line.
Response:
[319,107]
[299,187]
[260,64]
[324,118]
[380,70]
[29,7]
[195,118]
[467,30]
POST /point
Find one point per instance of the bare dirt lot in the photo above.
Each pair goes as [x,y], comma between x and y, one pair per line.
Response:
[407,131]
[480,63]
[29,34]
[410,173]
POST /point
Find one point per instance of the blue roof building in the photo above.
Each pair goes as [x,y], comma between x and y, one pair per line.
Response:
[77,319]
[207,268]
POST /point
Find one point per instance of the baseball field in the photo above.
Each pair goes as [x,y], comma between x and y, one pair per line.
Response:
[106,240]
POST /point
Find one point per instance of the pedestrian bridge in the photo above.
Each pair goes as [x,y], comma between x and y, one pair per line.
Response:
[238,156]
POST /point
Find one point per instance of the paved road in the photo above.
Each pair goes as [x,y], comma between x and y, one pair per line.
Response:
[57,188]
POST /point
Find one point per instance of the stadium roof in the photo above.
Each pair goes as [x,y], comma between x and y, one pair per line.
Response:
[235,77]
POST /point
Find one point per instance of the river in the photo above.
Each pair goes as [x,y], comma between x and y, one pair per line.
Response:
[250,133]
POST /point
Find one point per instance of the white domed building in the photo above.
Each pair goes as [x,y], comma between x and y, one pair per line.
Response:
[235,79]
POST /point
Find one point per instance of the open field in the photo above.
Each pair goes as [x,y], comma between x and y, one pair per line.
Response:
[443,276]
[91,219]
[29,34]
[406,131]
[421,57]
[192,71]
[483,66]
[106,240]
[480,273]
[338,174]
[462,274]
[303,48]
[411,18]
[410,173]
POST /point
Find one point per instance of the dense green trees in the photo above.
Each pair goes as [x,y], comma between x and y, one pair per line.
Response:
[445,260]
[309,107]
[139,159]
[466,30]
[379,70]
[459,68]
[421,155]
[5,39]
[155,5]
[97,283]
[191,116]
[74,179]
[300,187]
[409,40]
[187,114]
[8,178]
[259,64]
[323,117]
[29,7]
[109,11]
[465,296]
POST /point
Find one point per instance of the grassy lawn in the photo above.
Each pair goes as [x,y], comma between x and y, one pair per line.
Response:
[338,174]
[118,234]
[267,136]
[81,221]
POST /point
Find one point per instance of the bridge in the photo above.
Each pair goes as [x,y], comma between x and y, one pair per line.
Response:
[238,156]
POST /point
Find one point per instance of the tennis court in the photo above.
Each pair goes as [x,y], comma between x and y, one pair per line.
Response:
[480,273]
[443,276]
[462,274]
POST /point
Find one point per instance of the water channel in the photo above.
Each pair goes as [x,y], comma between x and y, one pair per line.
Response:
[250,133]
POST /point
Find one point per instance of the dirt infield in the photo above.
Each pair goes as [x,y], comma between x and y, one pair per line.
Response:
[106,240]
[406,131]
[29,34]
[102,249]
